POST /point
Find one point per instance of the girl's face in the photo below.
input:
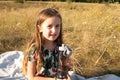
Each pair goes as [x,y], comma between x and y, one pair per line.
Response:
[50,28]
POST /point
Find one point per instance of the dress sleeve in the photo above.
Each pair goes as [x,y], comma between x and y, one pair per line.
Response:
[32,54]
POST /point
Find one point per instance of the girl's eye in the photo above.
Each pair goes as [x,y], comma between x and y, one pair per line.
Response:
[57,26]
[49,26]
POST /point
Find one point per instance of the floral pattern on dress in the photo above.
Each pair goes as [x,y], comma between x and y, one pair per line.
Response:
[50,60]
[32,55]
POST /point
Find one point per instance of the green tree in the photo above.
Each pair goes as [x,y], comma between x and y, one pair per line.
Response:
[20,1]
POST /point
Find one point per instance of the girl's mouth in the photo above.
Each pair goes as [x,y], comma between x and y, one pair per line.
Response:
[53,35]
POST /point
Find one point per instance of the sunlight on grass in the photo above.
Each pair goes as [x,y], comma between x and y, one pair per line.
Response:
[92,30]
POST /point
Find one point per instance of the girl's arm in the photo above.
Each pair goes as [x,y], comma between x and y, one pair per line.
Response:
[31,71]
[69,78]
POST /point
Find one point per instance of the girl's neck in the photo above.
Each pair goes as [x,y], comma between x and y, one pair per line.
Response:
[50,45]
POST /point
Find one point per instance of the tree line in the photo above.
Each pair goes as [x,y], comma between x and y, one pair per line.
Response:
[88,1]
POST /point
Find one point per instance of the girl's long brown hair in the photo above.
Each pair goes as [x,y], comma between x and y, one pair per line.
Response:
[38,39]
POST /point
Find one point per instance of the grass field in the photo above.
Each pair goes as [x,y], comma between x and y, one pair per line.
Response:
[92,30]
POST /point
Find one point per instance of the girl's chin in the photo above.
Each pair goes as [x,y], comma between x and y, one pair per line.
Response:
[52,40]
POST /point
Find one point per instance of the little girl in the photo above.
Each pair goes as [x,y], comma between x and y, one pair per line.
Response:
[41,57]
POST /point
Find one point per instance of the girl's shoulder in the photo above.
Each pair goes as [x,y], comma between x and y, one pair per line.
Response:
[32,48]
[32,52]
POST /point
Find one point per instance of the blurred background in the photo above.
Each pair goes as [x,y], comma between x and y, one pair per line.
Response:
[90,27]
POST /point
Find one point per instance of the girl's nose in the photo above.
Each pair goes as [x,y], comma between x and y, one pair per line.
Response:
[53,29]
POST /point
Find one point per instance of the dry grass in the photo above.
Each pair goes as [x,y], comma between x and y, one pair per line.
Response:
[92,30]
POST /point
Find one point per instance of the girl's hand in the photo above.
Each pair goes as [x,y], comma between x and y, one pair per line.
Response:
[68,63]
[69,78]
[61,79]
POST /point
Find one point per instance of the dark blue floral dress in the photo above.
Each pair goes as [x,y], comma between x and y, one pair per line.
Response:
[50,60]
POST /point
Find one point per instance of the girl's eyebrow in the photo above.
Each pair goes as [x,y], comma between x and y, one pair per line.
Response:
[49,25]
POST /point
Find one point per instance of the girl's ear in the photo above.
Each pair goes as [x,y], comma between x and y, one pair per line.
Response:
[40,28]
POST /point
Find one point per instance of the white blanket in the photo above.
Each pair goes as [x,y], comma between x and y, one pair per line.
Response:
[11,63]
